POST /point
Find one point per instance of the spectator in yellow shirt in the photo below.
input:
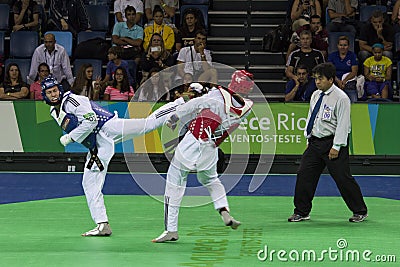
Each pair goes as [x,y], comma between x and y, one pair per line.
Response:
[159,27]
[378,74]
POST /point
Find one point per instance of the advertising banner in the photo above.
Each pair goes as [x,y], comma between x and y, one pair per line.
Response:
[28,127]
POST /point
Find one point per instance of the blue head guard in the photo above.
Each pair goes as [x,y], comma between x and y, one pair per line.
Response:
[50,82]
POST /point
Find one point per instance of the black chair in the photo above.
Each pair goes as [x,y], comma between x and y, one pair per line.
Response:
[98,17]
[84,36]
[132,68]
[2,43]
[4,17]
[195,2]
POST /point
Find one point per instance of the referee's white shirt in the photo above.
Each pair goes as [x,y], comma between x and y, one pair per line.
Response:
[333,117]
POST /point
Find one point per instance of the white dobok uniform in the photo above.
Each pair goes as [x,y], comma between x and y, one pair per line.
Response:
[114,130]
[214,116]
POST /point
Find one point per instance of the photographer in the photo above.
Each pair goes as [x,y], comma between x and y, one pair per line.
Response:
[156,56]
[304,9]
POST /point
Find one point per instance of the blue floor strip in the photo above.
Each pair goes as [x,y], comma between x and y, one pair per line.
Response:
[20,187]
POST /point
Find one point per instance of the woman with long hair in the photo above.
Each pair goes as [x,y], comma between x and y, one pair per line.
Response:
[120,89]
[154,89]
[192,22]
[155,56]
[13,86]
[84,83]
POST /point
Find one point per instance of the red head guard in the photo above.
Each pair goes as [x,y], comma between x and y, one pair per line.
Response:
[242,82]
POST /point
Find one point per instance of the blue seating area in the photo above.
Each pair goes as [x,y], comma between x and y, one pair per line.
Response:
[21,44]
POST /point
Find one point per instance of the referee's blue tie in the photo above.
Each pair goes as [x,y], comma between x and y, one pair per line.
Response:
[314,114]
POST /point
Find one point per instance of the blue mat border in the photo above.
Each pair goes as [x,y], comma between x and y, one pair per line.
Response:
[21,187]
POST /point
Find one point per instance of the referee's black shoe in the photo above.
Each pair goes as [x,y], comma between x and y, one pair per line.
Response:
[358,217]
[298,218]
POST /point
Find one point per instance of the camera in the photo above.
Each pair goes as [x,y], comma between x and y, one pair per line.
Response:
[155,49]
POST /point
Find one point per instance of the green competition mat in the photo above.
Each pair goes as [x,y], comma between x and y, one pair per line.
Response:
[47,233]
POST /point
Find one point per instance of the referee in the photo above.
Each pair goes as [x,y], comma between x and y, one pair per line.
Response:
[328,127]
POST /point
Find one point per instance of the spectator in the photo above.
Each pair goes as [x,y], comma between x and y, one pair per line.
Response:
[56,57]
[303,56]
[304,9]
[120,88]
[197,61]
[153,90]
[376,31]
[114,62]
[378,73]
[301,87]
[190,25]
[129,36]
[342,14]
[26,16]
[84,83]
[13,86]
[35,88]
[156,56]
[346,64]
[319,36]
[185,87]
[159,27]
[120,6]
[396,16]
[68,15]
[168,6]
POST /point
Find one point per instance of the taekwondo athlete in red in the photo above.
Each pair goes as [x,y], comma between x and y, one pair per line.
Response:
[214,116]
[97,129]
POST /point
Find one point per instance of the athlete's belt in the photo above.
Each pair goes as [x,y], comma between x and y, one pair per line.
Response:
[94,158]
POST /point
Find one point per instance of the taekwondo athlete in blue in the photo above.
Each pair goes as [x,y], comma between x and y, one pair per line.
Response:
[87,123]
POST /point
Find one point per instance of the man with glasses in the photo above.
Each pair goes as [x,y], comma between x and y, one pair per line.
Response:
[301,87]
[56,57]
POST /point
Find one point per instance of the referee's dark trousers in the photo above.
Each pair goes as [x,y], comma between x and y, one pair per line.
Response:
[312,164]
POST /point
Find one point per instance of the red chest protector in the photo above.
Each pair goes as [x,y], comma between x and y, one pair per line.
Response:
[204,124]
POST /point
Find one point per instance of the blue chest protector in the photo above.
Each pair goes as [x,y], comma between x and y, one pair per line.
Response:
[69,122]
